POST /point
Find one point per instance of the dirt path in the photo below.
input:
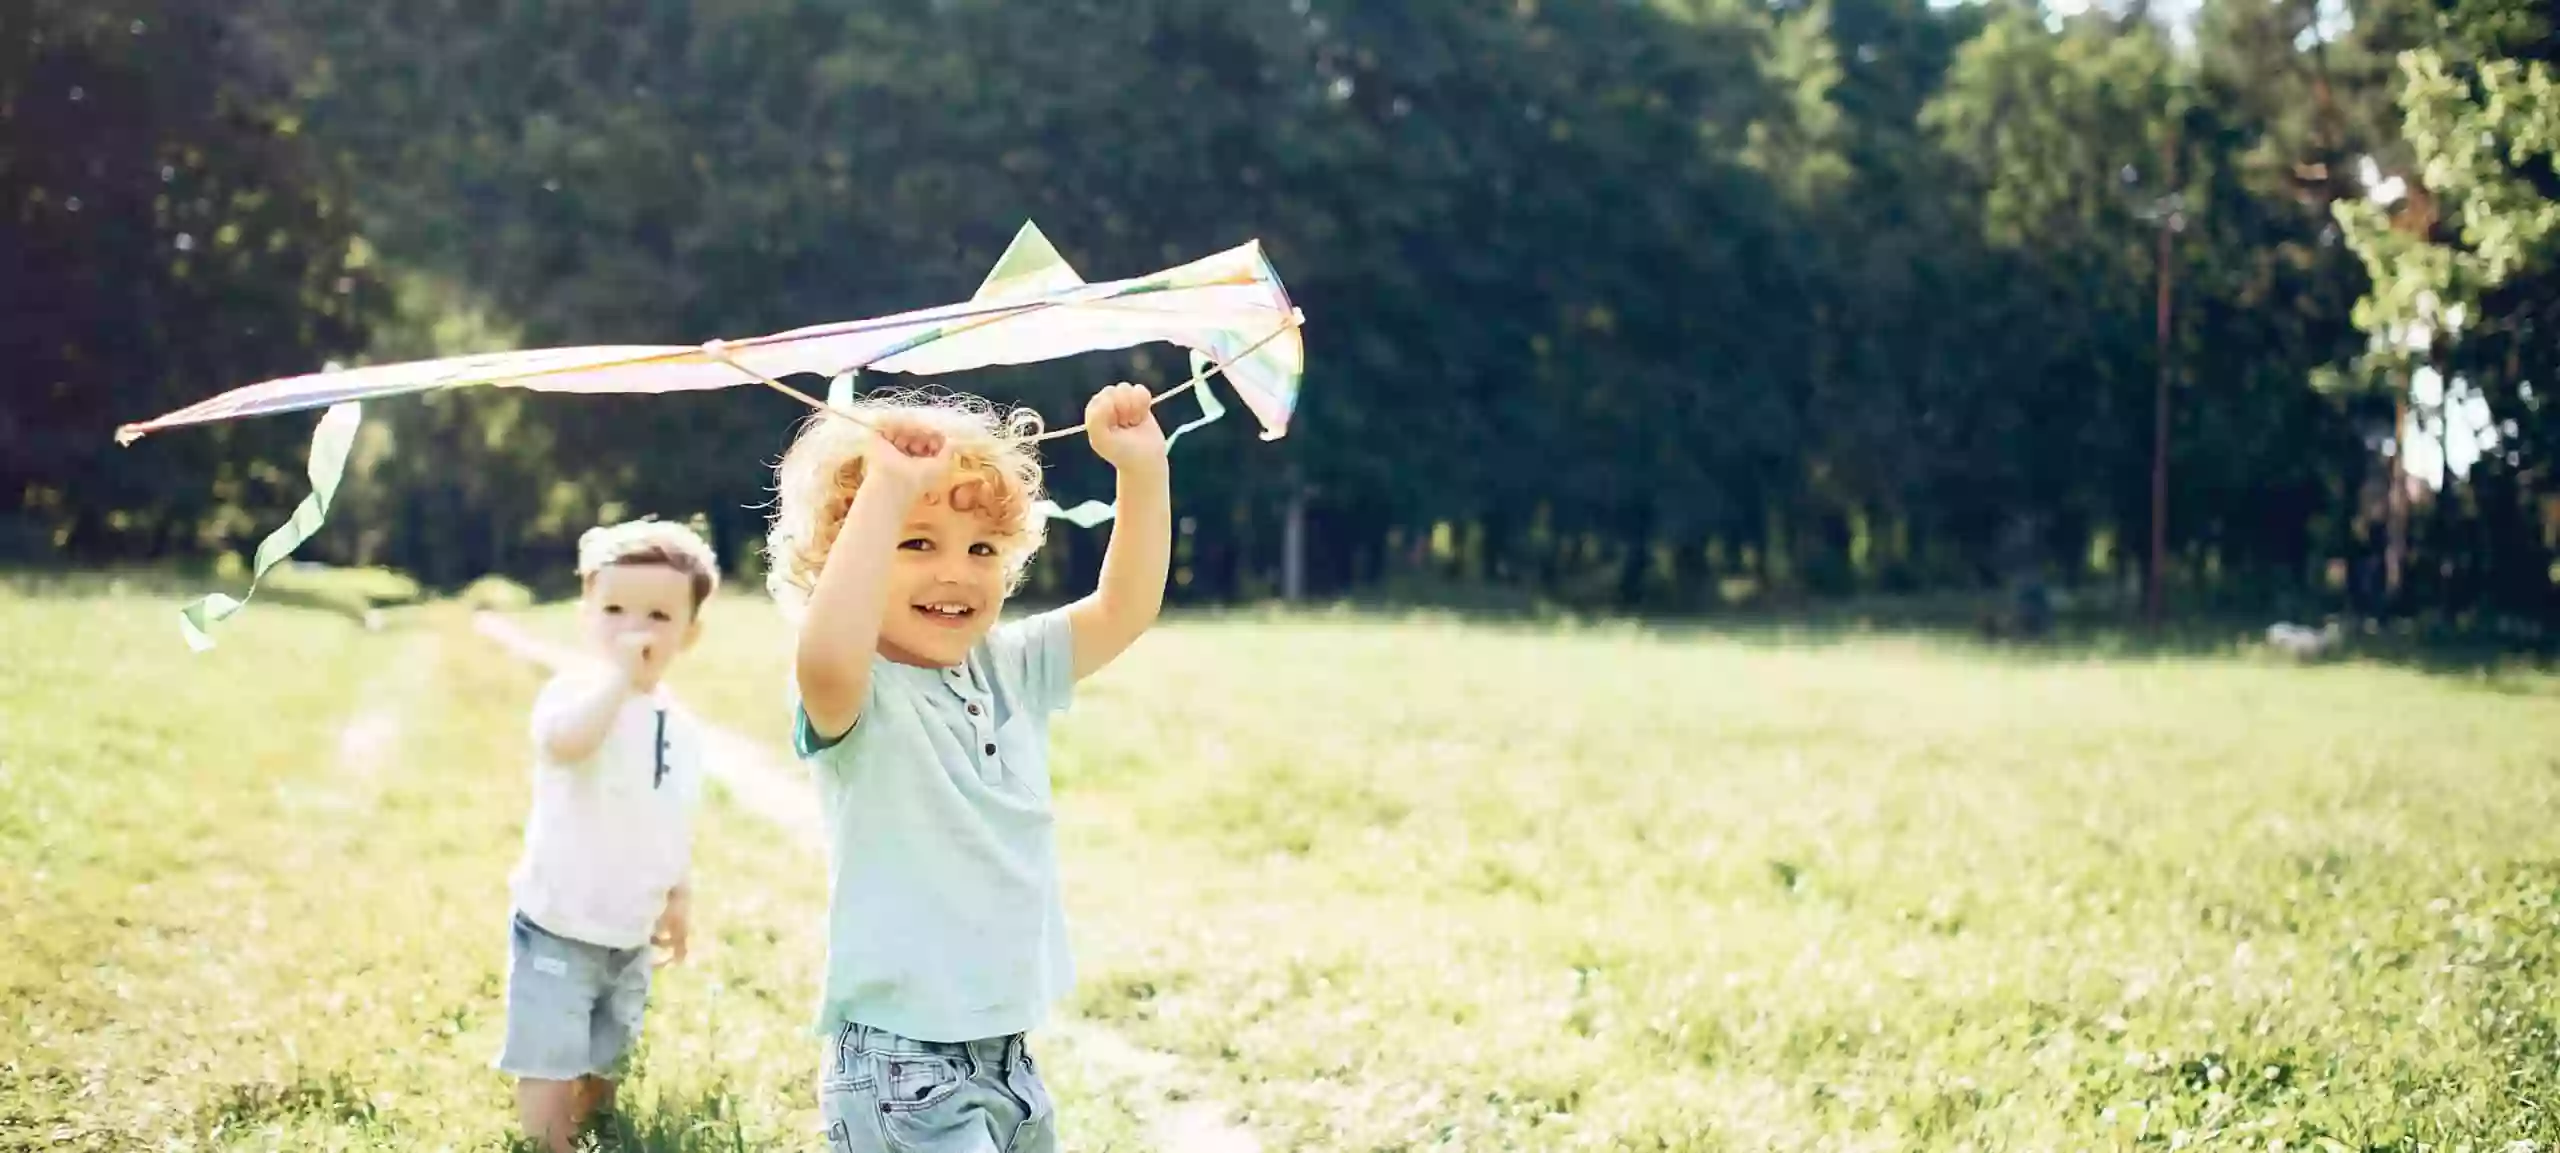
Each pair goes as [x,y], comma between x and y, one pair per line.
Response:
[1158,1088]
[369,740]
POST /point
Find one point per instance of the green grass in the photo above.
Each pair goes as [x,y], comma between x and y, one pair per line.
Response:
[1382,884]
[232,925]
[1419,884]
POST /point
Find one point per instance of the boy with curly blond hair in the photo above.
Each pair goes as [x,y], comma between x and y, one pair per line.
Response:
[923,718]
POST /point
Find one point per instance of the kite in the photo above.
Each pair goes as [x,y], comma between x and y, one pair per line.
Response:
[1229,309]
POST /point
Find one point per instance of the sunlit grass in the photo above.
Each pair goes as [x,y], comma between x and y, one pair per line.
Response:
[1381,884]
[1424,884]
[255,899]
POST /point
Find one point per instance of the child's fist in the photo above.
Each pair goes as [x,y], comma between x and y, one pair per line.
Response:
[907,453]
[632,654]
[1121,423]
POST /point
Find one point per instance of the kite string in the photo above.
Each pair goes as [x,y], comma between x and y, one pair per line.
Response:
[719,350]
[1199,377]
[1160,398]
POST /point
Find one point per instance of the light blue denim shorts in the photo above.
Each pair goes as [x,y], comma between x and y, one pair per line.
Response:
[573,1009]
[883,1093]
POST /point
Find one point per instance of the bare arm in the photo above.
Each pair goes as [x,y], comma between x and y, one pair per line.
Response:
[841,629]
[571,731]
[1125,602]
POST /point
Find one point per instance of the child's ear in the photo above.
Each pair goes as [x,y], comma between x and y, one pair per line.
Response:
[692,631]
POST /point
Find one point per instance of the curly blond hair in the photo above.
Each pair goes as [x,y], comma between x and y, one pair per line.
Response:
[996,474]
[650,541]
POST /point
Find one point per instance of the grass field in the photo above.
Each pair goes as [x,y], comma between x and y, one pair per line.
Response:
[1375,884]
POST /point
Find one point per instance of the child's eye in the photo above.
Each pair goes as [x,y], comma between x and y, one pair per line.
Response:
[982,548]
[658,616]
[917,543]
[613,610]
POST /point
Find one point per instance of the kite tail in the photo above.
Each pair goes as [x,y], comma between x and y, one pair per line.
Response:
[1094,512]
[329,446]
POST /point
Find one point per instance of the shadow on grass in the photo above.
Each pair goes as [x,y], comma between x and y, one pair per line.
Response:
[334,1097]
[2515,659]
[348,591]
[2512,659]
[367,598]
[647,1122]
[644,1122]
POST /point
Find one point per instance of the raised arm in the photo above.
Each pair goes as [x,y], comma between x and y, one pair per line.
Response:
[1126,601]
[569,729]
[841,629]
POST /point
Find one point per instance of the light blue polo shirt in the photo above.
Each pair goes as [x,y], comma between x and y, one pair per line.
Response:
[943,916]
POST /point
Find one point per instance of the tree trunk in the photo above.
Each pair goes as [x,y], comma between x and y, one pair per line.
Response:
[1635,538]
[2448,554]
[1293,547]
[2395,500]
[1213,561]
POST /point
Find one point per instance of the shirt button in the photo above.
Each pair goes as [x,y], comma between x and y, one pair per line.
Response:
[991,749]
[973,708]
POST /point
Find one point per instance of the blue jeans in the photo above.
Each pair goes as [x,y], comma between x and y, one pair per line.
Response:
[883,1093]
[573,1009]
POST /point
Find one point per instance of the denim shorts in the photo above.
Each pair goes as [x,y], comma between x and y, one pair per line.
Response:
[573,1009]
[883,1093]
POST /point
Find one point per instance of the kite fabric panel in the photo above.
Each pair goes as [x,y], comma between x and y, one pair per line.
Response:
[1220,305]
[1229,309]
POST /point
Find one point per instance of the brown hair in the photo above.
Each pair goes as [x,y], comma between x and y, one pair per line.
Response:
[649,541]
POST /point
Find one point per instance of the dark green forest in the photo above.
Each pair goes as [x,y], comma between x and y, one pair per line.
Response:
[1655,306]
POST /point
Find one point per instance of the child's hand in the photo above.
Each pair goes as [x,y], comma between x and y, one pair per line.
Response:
[1122,426]
[673,927]
[907,455]
[631,656]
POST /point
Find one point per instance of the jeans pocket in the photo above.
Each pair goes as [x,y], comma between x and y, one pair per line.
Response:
[926,1104]
[850,1110]
[915,1082]
[843,1068]
[1032,1087]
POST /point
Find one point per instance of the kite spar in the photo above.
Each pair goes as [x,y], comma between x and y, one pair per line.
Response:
[1229,309]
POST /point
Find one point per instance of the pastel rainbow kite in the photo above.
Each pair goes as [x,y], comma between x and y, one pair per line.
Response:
[1229,309]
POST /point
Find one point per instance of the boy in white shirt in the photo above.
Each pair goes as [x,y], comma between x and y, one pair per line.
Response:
[607,849]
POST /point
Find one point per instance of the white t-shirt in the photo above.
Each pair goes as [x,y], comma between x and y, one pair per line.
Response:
[610,835]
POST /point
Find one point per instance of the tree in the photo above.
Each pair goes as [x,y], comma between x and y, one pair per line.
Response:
[165,235]
[2462,271]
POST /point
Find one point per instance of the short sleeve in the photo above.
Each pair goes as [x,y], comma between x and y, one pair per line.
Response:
[805,741]
[1036,658]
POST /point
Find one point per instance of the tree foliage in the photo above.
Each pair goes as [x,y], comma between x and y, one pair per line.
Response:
[1653,304]
[164,233]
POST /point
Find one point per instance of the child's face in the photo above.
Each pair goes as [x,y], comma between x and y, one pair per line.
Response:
[651,602]
[946,583]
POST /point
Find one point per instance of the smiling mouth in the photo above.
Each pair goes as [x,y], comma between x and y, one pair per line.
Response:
[947,614]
